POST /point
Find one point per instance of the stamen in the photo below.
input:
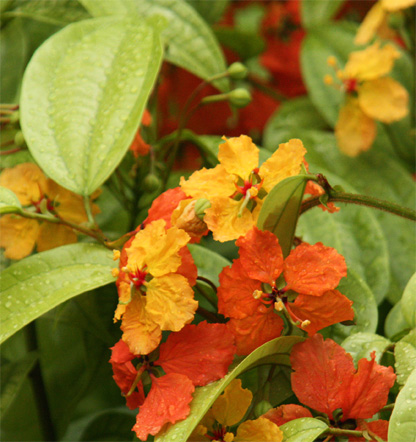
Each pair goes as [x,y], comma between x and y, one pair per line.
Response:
[115,272]
[116,255]
[279,306]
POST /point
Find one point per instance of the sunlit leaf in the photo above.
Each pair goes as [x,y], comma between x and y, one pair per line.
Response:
[191,43]
[408,302]
[37,284]
[83,96]
[405,355]
[360,345]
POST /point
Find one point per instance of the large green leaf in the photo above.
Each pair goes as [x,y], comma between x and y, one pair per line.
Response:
[9,203]
[210,11]
[374,174]
[318,12]
[409,302]
[351,231]
[402,425]
[190,42]
[56,12]
[395,324]
[405,357]
[13,375]
[360,345]
[364,305]
[37,284]
[280,211]
[306,429]
[83,96]
[276,351]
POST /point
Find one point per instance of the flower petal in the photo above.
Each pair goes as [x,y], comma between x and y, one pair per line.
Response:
[368,391]
[355,131]
[231,406]
[379,427]
[239,156]
[314,269]
[322,370]
[209,183]
[187,268]
[384,99]
[287,413]
[286,161]
[167,401]
[397,5]
[201,352]
[141,333]
[164,205]
[235,293]
[260,429]
[224,220]
[54,235]
[330,308]
[18,236]
[121,353]
[255,330]
[170,302]
[372,62]
[374,19]
[261,255]
[26,180]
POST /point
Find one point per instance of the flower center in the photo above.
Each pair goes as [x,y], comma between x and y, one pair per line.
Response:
[138,277]
[351,85]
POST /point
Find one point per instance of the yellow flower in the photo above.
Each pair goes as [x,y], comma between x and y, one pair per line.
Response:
[228,410]
[38,193]
[371,95]
[153,296]
[237,186]
[376,20]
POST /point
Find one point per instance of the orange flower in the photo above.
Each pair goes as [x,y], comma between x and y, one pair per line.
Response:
[251,291]
[326,380]
[195,356]
[154,294]
[38,193]
[371,96]
[139,147]
[236,187]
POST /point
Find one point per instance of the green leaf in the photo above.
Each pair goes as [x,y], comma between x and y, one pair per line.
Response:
[360,345]
[83,96]
[210,11]
[276,351]
[318,12]
[37,284]
[402,425]
[245,44]
[56,12]
[280,211]
[370,175]
[405,355]
[13,52]
[409,302]
[285,123]
[305,429]
[13,376]
[395,324]
[364,305]
[351,231]
[209,263]
[9,203]
[191,43]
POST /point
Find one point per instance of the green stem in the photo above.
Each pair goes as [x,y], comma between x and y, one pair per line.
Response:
[88,211]
[213,317]
[341,432]
[39,388]
[361,200]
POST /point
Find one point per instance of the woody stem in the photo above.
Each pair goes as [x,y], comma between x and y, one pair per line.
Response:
[40,217]
[361,200]
[341,432]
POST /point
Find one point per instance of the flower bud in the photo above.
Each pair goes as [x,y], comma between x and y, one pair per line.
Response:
[262,407]
[239,97]
[19,140]
[151,182]
[201,205]
[189,221]
[237,71]
[14,117]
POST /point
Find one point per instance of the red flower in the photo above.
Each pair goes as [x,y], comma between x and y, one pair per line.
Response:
[252,287]
[195,356]
[287,413]
[326,380]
